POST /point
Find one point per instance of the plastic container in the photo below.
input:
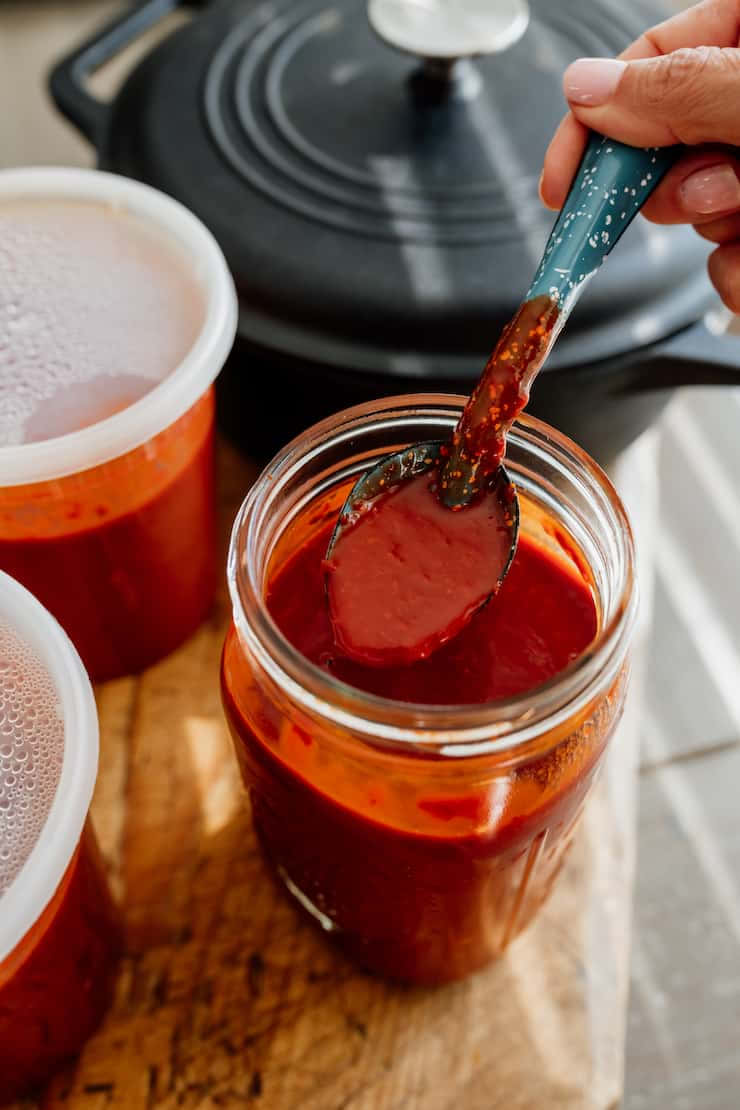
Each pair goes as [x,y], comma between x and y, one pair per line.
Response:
[113,526]
[59,937]
[423,838]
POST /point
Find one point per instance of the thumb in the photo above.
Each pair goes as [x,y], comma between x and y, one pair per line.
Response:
[688,96]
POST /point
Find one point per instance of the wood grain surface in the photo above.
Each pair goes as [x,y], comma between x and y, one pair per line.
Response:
[228,998]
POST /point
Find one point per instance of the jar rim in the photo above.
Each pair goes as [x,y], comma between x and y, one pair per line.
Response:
[459,730]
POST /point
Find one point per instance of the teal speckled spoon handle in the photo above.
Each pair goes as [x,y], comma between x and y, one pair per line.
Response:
[612,184]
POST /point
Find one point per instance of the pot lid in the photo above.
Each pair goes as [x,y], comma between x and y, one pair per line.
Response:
[379,210]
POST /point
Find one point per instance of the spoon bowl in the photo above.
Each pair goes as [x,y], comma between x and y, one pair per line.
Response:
[409,604]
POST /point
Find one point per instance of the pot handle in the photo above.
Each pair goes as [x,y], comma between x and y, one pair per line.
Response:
[701,354]
[67,78]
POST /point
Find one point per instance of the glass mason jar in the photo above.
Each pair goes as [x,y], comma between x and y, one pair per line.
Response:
[422,837]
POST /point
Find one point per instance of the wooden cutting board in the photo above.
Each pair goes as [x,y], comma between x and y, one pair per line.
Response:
[227,998]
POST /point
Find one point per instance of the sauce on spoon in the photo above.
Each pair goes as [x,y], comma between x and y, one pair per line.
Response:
[409,567]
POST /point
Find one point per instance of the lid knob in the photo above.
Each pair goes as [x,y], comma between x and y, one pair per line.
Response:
[446,34]
[449,29]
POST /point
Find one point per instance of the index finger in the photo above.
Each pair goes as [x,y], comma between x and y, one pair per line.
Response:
[711,23]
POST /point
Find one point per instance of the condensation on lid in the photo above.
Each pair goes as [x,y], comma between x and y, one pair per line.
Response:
[96,307]
[117,311]
[48,758]
[31,751]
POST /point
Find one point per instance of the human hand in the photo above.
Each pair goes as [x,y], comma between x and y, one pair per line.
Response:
[678,83]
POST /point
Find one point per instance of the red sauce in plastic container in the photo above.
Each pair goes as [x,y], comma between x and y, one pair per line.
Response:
[125,554]
[59,936]
[56,985]
[117,311]
[420,813]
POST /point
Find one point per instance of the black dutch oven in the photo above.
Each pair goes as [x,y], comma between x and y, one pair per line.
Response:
[380,213]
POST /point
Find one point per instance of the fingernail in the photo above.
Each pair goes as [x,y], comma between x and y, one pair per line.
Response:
[713,189]
[592,81]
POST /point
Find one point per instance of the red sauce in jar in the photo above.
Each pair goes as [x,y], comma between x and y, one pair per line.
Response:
[123,555]
[542,619]
[57,983]
[423,867]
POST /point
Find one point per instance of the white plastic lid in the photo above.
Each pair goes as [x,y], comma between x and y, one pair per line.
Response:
[33,887]
[181,388]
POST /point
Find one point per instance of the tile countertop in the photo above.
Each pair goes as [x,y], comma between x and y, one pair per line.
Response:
[685,1000]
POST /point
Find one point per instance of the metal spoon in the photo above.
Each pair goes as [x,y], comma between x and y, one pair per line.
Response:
[612,183]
